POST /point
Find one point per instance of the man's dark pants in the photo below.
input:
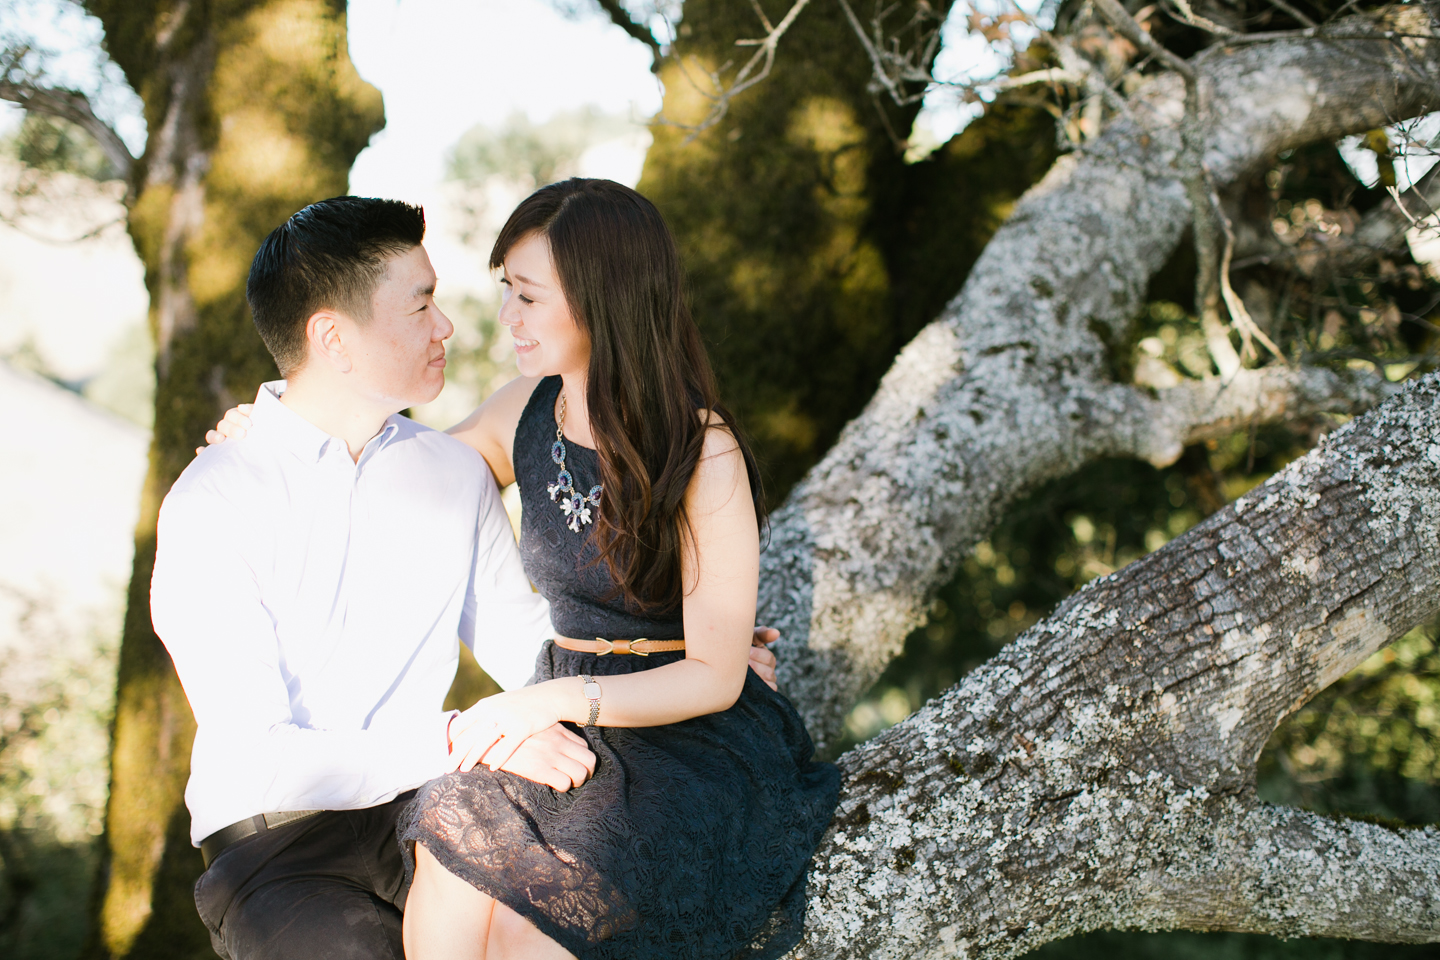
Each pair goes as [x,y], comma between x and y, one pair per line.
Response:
[330,886]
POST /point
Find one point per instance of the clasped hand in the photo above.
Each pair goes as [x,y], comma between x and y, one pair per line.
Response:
[516,733]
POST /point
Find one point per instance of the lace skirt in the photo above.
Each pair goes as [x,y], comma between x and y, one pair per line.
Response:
[690,841]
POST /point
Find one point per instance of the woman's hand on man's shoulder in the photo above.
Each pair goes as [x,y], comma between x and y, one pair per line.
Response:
[232,426]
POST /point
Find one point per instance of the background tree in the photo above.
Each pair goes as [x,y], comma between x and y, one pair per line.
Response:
[253,110]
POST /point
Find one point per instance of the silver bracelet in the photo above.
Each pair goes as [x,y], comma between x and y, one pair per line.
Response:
[592,694]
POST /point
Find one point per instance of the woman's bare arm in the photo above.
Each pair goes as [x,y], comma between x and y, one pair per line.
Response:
[491,428]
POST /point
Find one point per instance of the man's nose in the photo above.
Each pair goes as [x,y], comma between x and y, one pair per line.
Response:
[443,327]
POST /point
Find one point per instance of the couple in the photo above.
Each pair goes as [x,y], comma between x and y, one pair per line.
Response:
[310,580]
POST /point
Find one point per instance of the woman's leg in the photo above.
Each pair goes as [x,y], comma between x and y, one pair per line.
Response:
[512,937]
[448,919]
[445,917]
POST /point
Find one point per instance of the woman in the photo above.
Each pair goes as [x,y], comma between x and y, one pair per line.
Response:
[641,520]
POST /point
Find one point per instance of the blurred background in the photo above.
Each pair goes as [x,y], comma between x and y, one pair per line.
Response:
[806,284]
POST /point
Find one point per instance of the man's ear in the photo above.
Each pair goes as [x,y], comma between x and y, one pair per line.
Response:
[322,331]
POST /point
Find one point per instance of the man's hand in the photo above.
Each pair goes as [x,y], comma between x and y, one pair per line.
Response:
[555,757]
[762,661]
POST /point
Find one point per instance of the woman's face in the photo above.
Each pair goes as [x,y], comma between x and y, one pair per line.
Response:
[547,339]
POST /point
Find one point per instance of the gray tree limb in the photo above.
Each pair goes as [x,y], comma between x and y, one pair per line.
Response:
[1098,772]
[1010,387]
[75,107]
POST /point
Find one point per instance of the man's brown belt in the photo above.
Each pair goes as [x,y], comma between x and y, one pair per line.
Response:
[211,846]
[602,647]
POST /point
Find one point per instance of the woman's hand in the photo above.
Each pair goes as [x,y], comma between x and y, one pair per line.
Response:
[762,661]
[232,426]
[493,729]
[555,757]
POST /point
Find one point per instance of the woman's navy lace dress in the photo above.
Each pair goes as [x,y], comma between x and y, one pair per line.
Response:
[692,839]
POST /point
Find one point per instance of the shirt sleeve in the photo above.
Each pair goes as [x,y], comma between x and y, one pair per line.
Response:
[250,755]
[505,621]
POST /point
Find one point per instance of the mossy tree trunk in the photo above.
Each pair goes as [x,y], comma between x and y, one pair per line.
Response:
[254,110]
[815,252]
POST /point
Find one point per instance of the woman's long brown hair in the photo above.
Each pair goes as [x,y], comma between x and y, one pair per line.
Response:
[649,376]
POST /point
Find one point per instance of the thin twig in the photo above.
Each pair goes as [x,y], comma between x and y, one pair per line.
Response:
[1191,18]
[763,59]
[1400,204]
[1238,314]
[1293,12]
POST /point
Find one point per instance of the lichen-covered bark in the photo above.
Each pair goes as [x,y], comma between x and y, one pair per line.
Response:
[1010,386]
[254,110]
[1099,771]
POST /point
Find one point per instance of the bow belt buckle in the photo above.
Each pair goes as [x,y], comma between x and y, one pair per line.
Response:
[619,647]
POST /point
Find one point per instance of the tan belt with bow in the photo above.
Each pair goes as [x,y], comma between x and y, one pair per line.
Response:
[602,647]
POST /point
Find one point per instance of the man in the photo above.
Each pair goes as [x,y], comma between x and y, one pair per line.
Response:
[309,583]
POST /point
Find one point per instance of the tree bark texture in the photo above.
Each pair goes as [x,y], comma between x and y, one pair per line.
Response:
[1099,771]
[814,251]
[254,110]
[1011,386]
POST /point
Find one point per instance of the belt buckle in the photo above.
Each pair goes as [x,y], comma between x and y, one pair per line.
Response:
[619,647]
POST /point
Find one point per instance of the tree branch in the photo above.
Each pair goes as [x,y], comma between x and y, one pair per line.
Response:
[1198,410]
[74,107]
[1007,389]
[1099,771]
[622,19]
[1288,873]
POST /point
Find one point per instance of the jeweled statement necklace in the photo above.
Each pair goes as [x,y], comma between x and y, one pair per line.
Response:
[575,507]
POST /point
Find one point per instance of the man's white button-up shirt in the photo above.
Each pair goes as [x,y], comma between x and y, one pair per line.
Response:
[311,605]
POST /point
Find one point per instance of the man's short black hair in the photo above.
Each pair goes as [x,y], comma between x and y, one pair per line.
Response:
[331,255]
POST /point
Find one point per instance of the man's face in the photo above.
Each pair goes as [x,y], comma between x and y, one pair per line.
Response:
[398,357]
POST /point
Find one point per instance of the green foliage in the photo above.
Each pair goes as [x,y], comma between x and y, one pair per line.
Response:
[57,682]
[41,882]
[1368,745]
[531,155]
[518,158]
[51,145]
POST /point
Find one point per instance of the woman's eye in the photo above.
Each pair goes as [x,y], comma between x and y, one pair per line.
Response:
[525,299]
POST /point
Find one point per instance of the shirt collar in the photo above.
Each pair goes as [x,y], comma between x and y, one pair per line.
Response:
[301,437]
